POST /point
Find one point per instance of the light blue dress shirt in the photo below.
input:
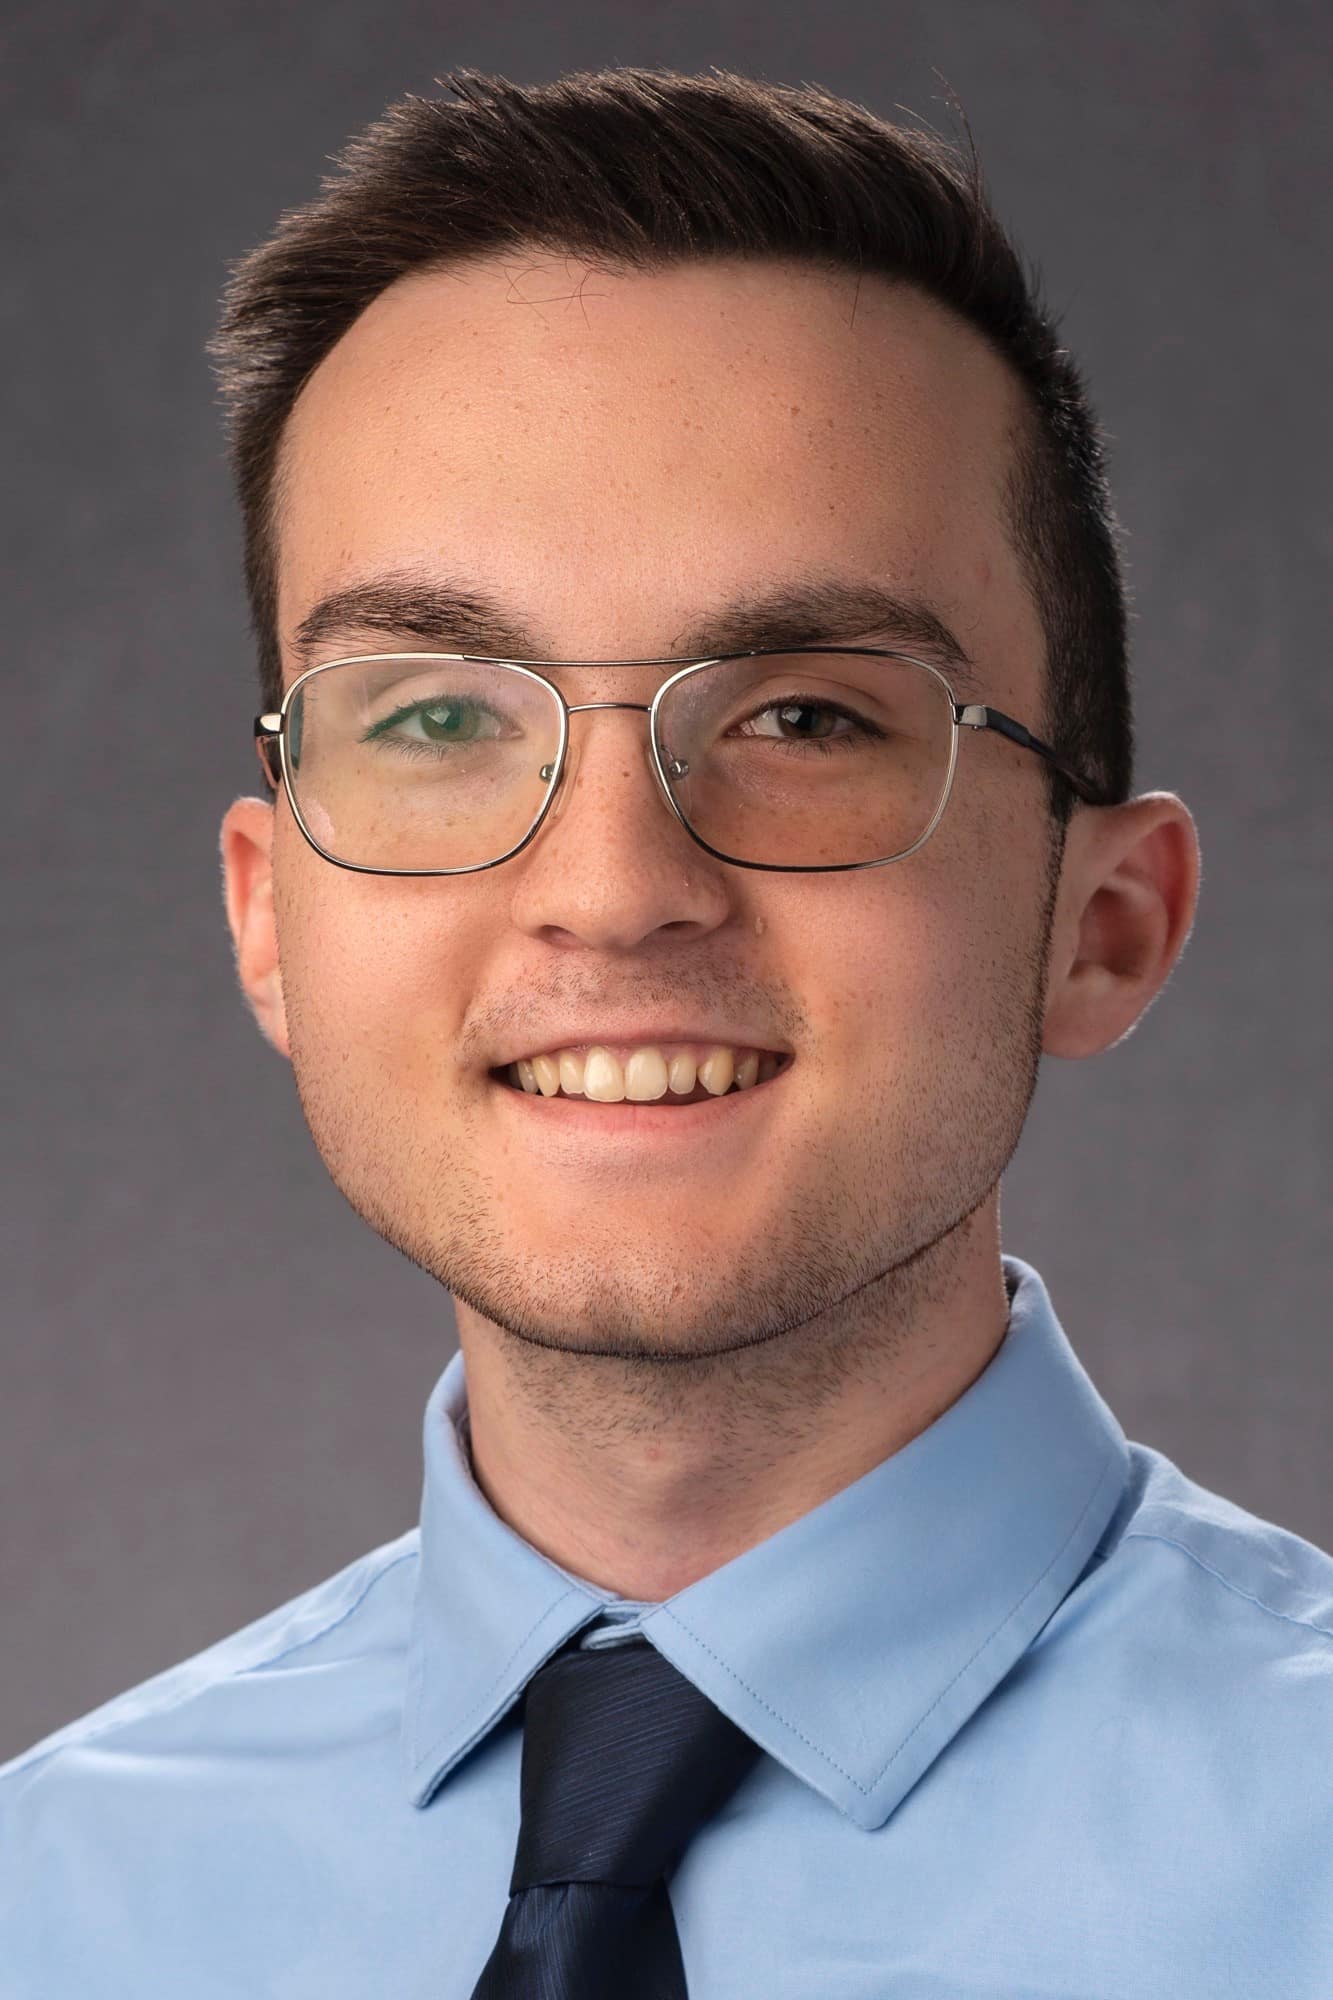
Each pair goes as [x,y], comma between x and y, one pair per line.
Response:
[1043,1718]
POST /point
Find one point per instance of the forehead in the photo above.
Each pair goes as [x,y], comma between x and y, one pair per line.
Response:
[612,452]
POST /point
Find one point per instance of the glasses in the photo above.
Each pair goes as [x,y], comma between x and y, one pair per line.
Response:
[805,761]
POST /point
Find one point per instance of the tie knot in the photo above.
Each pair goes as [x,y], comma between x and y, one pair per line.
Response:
[623,1760]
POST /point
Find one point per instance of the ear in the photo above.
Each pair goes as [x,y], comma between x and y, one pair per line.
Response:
[247,867]
[1129,886]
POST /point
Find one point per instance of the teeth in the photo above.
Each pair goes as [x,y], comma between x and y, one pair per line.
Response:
[547,1072]
[571,1075]
[603,1078]
[645,1076]
[682,1075]
[716,1071]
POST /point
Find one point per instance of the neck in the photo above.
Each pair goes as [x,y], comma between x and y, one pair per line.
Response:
[641,1476]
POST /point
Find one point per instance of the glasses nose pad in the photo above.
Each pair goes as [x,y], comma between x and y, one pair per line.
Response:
[671,770]
[554,799]
[667,772]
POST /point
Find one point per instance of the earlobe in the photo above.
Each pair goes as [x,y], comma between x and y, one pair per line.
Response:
[1128,894]
[247,868]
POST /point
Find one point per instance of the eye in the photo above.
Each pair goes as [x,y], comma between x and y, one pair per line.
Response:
[447,720]
[809,722]
[787,714]
[455,721]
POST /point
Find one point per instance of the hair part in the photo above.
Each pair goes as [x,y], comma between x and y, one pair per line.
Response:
[642,168]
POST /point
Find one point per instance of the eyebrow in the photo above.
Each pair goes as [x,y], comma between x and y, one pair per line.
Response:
[802,611]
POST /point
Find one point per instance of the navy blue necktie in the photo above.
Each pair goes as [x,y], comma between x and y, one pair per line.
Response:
[623,1760]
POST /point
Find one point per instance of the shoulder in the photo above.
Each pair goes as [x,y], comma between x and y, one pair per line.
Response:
[1249,1571]
[1189,1678]
[334,1619]
[1212,1611]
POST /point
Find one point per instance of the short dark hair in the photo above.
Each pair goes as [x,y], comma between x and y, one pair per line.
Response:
[643,168]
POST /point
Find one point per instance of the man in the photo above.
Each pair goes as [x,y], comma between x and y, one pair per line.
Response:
[699,764]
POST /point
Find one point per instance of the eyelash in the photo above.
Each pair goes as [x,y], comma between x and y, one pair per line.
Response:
[388,723]
[863,728]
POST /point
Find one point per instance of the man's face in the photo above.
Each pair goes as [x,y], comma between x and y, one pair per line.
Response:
[618,459]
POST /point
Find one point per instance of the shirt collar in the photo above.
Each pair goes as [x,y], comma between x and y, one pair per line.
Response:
[853,1644]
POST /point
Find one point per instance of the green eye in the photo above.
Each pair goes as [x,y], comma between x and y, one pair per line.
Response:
[444,721]
[450,722]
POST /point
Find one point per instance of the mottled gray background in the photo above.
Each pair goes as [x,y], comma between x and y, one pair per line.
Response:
[212,1374]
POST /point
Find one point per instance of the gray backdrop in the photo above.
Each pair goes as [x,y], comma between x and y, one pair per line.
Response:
[212,1374]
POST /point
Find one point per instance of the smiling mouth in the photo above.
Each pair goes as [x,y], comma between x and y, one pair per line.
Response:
[650,1075]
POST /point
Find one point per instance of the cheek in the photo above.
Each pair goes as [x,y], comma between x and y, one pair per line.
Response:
[373,971]
[889,960]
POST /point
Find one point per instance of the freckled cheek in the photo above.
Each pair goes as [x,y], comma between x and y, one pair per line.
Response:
[908,993]
[911,991]
[375,991]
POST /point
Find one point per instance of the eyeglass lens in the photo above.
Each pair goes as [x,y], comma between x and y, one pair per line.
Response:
[806,761]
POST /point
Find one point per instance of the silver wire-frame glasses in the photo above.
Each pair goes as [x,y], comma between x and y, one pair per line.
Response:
[274,733]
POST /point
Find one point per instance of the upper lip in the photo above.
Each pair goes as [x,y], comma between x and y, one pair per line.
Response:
[582,1035]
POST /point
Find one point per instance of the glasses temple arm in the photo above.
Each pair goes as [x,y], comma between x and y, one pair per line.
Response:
[268,729]
[977,716]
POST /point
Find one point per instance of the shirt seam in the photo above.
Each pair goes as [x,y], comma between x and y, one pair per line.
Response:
[1014,1609]
[155,1714]
[258,1666]
[1287,1617]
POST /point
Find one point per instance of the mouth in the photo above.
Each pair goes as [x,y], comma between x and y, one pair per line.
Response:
[664,1075]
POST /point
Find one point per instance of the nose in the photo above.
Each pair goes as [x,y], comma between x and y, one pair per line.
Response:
[611,864]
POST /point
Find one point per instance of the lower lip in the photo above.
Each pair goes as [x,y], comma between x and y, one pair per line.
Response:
[628,1124]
